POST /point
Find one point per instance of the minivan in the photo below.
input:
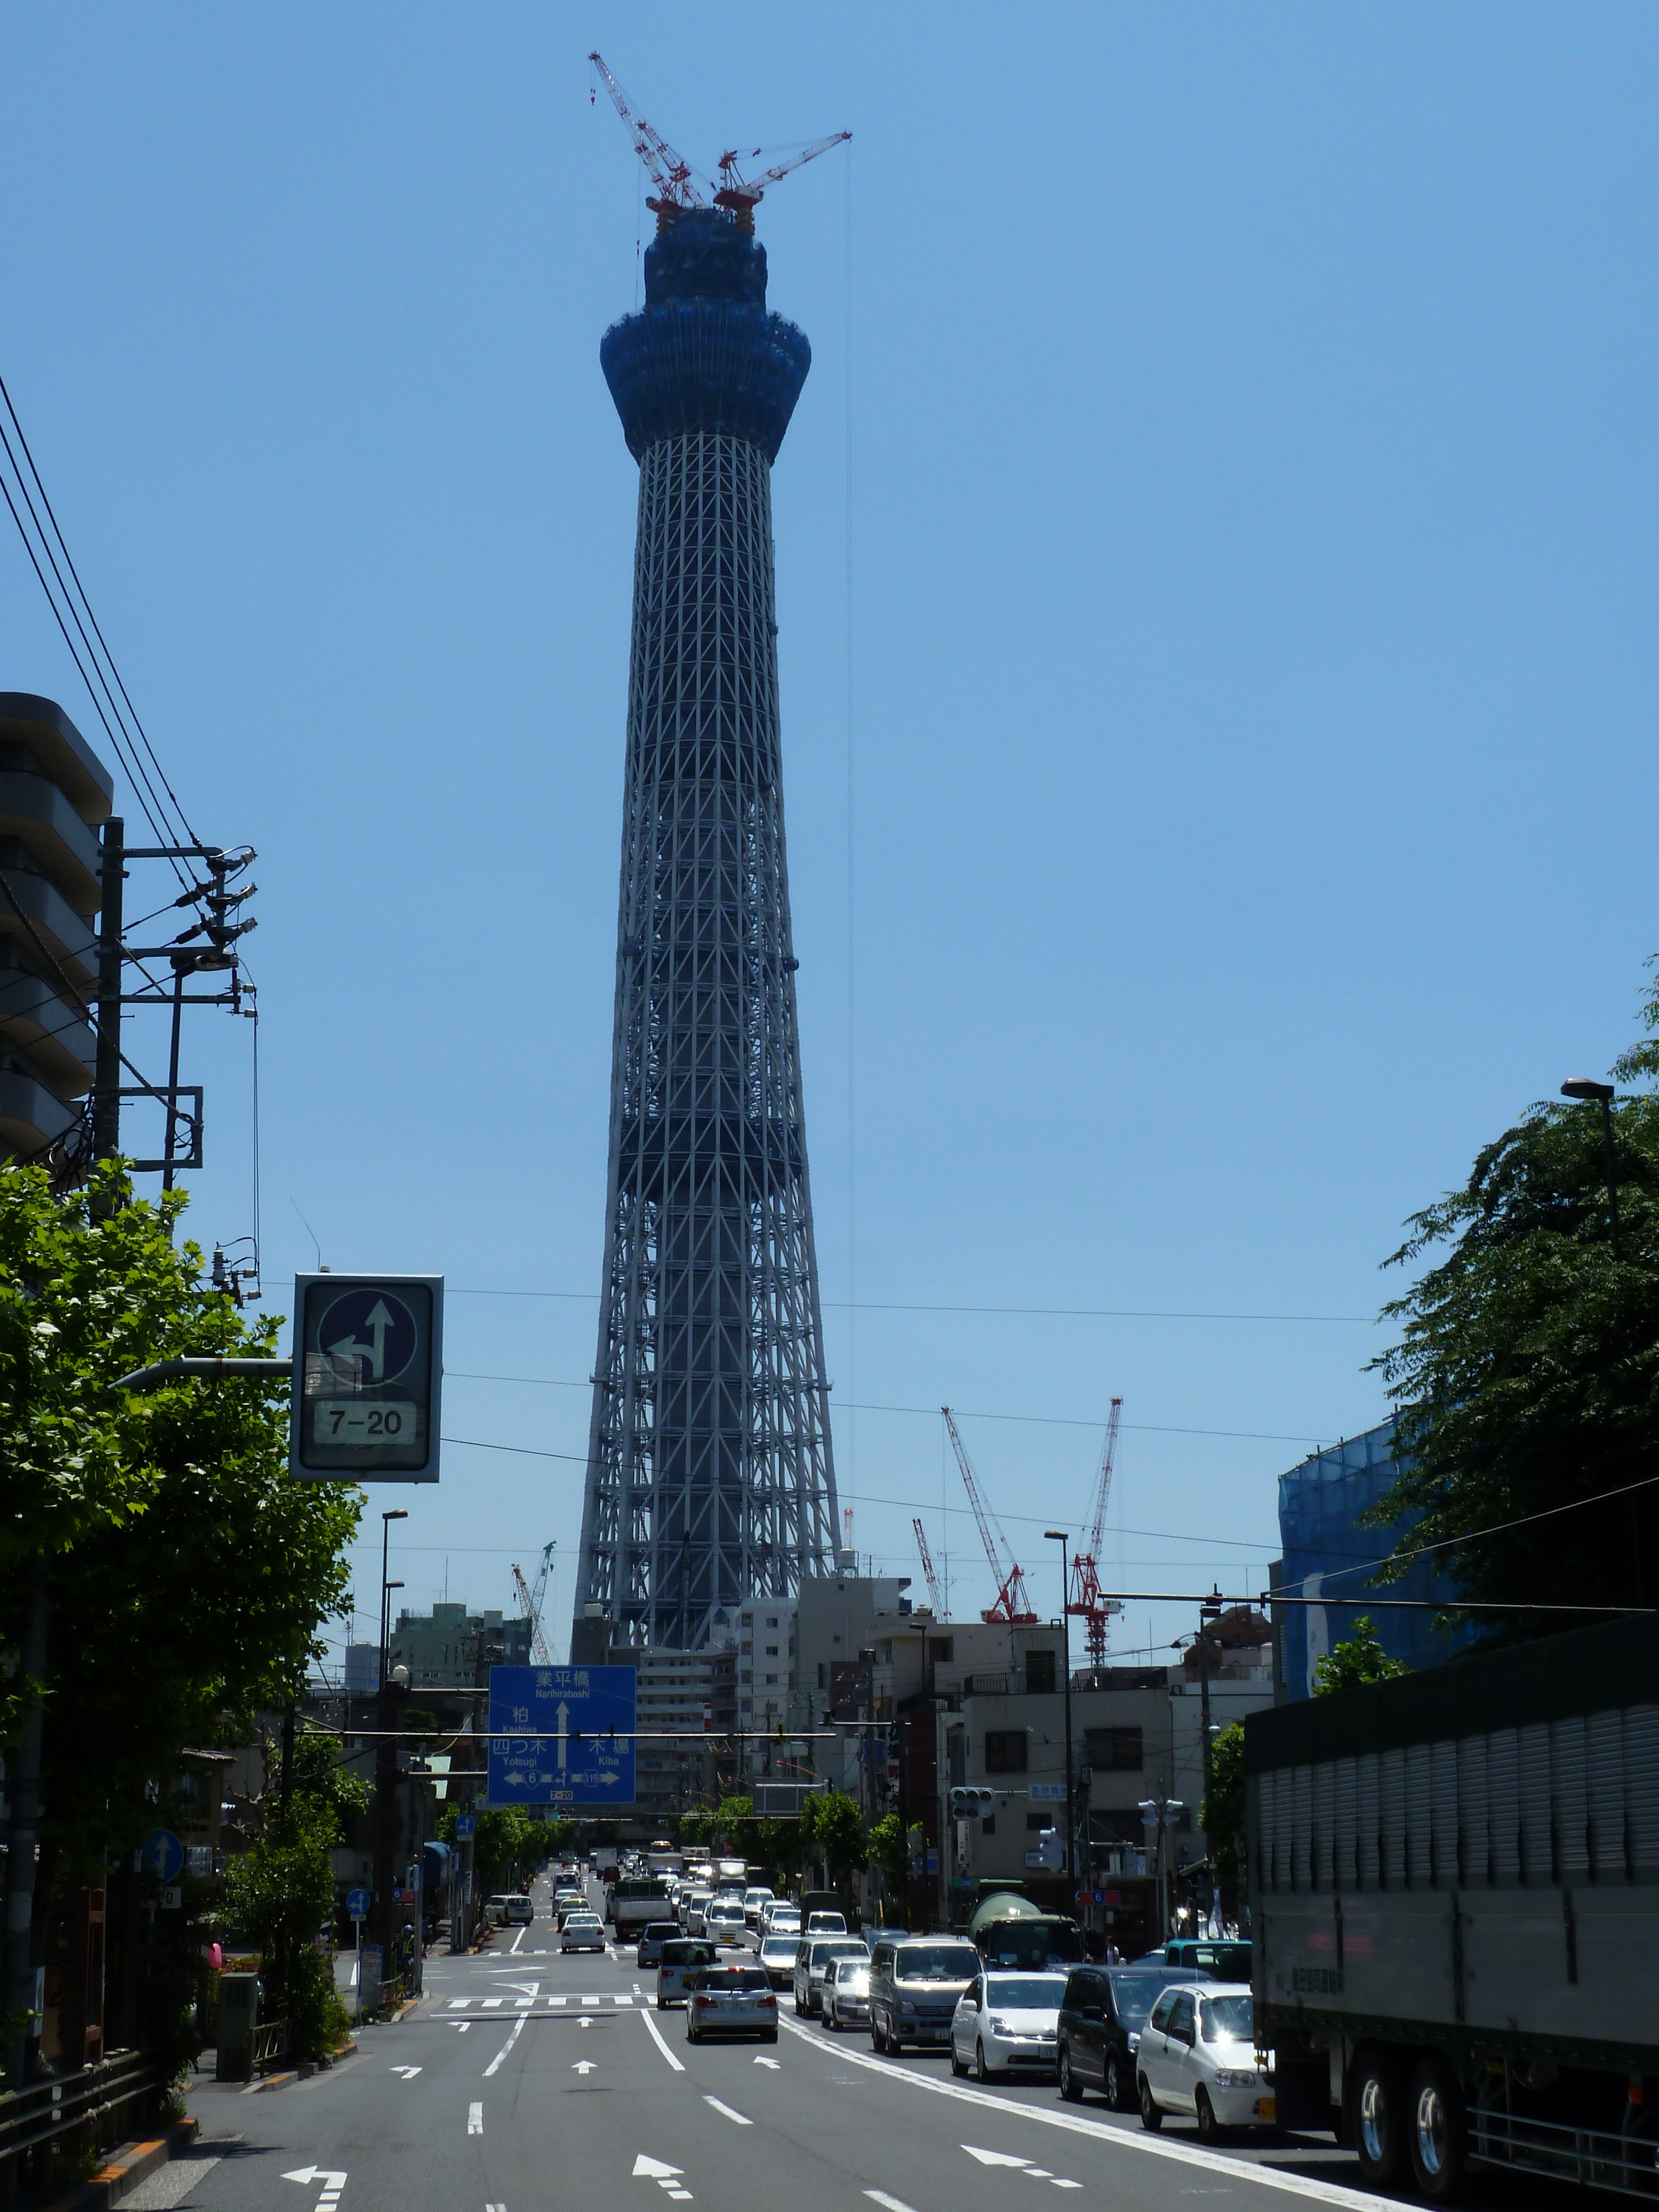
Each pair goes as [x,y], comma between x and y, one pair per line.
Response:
[915,1983]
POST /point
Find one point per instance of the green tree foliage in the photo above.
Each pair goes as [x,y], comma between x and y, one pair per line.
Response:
[507,1845]
[887,1851]
[1527,1373]
[281,1892]
[831,1826]
[1359,1659]
[186,1577]
[734,1826]
[1223,1816]
[696,1830]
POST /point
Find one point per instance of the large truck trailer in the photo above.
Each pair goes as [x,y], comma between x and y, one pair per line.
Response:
[1454,1889]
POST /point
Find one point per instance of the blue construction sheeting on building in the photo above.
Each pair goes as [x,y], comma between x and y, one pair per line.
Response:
[1326,1551]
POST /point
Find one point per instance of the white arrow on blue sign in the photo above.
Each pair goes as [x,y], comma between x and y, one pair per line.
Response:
[357,1903]
[464,1825]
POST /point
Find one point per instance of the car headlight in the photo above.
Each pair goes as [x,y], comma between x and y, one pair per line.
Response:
[998,2026]
[1234,2077]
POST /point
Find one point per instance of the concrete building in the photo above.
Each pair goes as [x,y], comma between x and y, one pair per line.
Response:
[673,1690]
[54,792]
[443,1649]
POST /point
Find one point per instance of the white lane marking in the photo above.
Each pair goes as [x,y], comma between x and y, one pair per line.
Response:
[770,2063]
[475,2119]
[653,2169]
[1060,2182]
[558,2001]
[492,2004]
[888,2203]
[622,1997]
[408,2072]
[726,2112]
[462,2024]
[459,2004]
[1294,2184]
[593,2000]
[681,2196]
[494,2207]
[993,2157]
[518,2030]
[656,2036]
[517,1940]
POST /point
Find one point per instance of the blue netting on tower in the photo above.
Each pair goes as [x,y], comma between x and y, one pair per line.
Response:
[1327,1554]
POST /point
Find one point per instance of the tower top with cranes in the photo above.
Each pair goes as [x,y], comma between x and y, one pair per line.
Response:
[679,186]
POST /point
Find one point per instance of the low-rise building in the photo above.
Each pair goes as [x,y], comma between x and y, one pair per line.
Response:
[443,1649]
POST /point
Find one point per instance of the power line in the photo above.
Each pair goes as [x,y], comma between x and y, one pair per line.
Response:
[1046,1313]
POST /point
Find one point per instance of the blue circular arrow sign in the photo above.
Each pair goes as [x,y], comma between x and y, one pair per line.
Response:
[372,1326]
[357,1903]
[164,1855]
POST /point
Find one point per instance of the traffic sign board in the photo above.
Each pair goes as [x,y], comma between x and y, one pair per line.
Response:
[164,1855]
[465,1826]
[357,1904]
[562,1735]
[367,1377]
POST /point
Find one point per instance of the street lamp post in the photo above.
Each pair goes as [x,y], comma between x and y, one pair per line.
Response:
[1059,1536]
[1601,1094]
[386,1757]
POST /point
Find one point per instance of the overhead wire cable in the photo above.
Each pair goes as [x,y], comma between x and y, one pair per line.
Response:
[1046,1313]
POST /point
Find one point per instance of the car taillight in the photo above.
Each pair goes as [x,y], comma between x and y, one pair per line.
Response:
[769,1999]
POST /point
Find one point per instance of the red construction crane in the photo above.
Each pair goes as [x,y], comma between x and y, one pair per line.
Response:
[680,185]
[1086,1599]
[1012,1605]
[532,1608]
[927,1568]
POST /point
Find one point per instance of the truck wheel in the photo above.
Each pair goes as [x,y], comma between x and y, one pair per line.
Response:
[1377,2134]
[1437,2135]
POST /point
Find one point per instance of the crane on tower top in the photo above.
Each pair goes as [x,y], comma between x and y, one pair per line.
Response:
[928,1567]
[531,1603]
[1012,1603]
[1085,1599]
[680,185]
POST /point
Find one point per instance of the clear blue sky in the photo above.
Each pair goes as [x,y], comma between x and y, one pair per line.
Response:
[1253,669]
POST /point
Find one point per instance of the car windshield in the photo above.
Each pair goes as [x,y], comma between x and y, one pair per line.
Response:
[935,1962]
[778,1947]
[854,1976]
[1229,2020]
[1025,1992]
[1135,1995]
[850,1948]
[683,1952]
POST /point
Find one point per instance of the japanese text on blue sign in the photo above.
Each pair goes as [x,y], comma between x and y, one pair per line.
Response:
[562,1735]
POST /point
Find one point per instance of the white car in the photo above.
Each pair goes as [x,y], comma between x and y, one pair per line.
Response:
[1198,2055]
[754,1902]
[845,2000]
[779,1919]
[723,1921]
[1005,2022]
[692,1904]
[583,1931]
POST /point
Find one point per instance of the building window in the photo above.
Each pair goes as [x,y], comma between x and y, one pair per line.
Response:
[1036,1822]
[771,1650]
[771,1620]
[1039,1671]
[1005,1751]
[1115,1750]
[987,1827]
[942,1648]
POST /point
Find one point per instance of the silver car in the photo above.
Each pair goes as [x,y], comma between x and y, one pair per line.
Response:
[1197,2055]
[813,1955]
[731,2000]
[846,1999]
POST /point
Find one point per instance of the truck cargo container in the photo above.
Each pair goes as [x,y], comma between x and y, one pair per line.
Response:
[1454,1889]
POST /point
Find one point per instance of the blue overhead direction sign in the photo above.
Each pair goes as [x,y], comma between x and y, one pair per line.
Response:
[562,1735]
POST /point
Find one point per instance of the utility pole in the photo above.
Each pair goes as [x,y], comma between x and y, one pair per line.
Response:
[1207,1616]
[385,1760]
[107,1079]
[1059,1536]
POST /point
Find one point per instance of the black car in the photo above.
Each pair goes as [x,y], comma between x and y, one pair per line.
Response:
[1101,2017]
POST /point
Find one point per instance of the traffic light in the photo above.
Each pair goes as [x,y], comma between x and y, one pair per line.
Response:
[972,1804]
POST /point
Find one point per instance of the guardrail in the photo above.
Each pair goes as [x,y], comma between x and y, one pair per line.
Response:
[45,2112]
[267,2046]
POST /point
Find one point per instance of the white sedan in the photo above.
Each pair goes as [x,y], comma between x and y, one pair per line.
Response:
[1005,2022]
[583,1931]
[1198,2055]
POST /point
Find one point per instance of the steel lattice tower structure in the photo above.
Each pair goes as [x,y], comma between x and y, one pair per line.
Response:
[709,1472]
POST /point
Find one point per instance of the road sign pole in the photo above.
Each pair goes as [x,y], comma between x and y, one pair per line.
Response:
[357,1974]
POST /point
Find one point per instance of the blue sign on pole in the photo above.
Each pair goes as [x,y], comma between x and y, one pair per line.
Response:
[465,1825]
[562,1735]
[164,1855]
[357,1903]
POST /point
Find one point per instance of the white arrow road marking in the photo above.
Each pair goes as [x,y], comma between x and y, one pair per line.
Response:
[518,2030]
[585,2022]
[408,2072]
[584,2066]
[1231,2170]
[475,2119]
[888,2203]
[993,2157]
[726,2112]
[771,2064]
[656,2036]
[335,2182]
[652,2168]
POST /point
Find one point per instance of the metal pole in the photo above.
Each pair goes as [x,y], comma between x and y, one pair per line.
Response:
[106,1075]
[1066,1653]
[1204,1692]
[23,1787]
[179,966]
[1612,1176]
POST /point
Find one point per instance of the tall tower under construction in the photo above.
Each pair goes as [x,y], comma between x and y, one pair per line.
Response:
[710,1469]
